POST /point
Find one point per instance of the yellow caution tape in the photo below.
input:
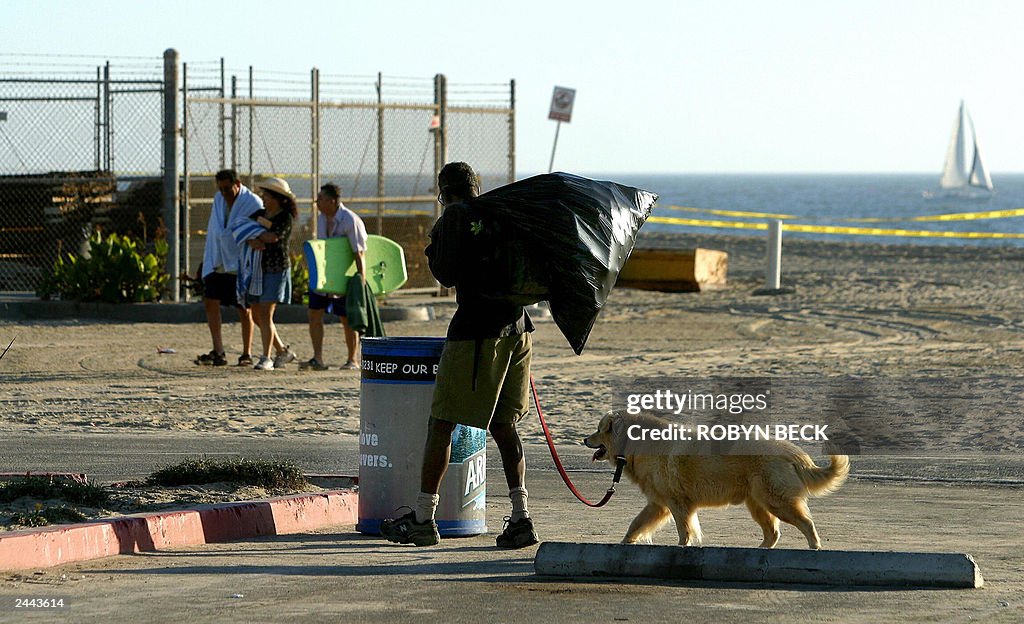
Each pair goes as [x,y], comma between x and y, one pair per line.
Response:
[733,213]
[740,225]
[953,216]
[371,212]
[833,229]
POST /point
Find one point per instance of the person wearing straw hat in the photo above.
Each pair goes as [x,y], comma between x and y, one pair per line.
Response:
[264,277]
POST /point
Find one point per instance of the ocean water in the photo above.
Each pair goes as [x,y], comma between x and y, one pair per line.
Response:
[836,200]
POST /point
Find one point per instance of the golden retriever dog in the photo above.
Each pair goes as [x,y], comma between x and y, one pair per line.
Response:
[773,480]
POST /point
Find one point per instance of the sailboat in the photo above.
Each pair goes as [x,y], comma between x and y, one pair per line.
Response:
[957,176]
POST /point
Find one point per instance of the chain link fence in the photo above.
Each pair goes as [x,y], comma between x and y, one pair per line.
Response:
[382,140]
[82,147]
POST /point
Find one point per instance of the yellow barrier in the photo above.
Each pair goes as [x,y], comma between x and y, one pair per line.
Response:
[733,213]
[953,216]
[833,229]
[369,212]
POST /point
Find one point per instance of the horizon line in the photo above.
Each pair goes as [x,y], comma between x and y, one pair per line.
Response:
[591,172]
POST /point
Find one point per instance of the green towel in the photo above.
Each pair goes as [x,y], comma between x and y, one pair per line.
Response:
[361,310]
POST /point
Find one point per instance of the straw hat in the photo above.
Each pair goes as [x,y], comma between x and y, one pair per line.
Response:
[278,186]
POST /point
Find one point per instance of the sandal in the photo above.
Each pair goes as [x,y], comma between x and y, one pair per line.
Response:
[212,359]
[245,360]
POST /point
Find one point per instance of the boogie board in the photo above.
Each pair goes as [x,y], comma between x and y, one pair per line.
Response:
[331,264]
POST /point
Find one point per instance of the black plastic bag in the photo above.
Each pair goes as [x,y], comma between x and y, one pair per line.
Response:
[556,237]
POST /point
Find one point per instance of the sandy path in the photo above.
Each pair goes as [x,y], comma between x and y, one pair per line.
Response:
[857,309]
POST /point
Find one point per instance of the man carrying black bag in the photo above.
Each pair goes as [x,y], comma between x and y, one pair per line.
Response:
[484,375]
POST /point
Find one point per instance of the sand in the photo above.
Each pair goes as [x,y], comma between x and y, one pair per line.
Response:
[857,309]
[942,312]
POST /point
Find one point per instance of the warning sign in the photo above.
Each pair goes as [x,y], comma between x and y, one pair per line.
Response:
[561,104]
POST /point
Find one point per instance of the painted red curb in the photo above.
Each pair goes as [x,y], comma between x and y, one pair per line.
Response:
[53,546]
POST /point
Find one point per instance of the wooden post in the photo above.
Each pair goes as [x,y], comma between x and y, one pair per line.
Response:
[773,276]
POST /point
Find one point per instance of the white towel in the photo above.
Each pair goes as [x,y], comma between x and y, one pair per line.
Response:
[250,261]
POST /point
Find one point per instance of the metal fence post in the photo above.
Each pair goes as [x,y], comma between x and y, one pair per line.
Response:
[251,113]
[107,157]
[234,123]
[221,118]
[443,130]
[512,131]
[185,201]
[99,119]
[315,145]
[380,154]
[171,169]
[440,145]
[438,152]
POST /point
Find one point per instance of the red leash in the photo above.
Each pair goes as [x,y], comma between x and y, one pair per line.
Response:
[620,461]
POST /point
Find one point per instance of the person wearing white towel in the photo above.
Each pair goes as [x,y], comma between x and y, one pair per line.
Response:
[233,202]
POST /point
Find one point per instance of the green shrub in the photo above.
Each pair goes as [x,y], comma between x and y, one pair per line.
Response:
[268,474]
[49,515]
[300,280]
[117,270]
[44,487]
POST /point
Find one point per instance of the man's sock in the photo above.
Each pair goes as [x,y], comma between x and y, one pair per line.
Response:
[426,506]
[519,510]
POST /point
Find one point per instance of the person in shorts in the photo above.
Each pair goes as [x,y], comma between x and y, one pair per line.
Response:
[233,201]
[335,220]
[483,380]
[265,278]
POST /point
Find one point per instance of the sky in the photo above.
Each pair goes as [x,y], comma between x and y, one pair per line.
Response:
[674,86]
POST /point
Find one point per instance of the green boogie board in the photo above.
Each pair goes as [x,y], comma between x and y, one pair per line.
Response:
[331,263]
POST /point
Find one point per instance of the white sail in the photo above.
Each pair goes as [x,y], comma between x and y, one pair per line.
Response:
[979,175]
[956,174]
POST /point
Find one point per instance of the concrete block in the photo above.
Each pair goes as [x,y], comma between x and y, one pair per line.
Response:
[759,565]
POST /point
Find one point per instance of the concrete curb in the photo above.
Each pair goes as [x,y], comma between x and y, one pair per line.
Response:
[207,524]
[174,312]
[759,565]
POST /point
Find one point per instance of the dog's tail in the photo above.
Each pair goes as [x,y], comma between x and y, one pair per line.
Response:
[824,480]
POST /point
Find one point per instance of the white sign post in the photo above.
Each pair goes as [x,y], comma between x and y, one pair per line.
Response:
[561,110]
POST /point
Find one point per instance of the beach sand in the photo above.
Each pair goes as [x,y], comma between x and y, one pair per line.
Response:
[857,309]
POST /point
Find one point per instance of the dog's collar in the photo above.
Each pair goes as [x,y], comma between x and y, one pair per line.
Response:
[620,463]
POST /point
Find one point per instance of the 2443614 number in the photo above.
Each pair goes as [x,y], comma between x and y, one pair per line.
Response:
[38,603]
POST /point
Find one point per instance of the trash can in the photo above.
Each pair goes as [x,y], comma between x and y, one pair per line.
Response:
[395,396]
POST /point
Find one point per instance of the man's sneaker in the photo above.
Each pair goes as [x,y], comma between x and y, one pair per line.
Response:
[313,364]
[245,360]
[284,357]
[405,530]
[350,365]
[265,363]
[212,359]
[517,534]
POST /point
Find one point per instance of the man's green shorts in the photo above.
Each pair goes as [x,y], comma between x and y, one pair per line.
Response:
[500,388]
